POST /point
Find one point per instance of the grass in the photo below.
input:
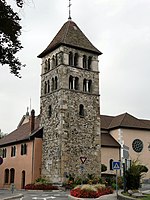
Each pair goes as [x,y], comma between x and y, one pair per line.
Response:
[146,198]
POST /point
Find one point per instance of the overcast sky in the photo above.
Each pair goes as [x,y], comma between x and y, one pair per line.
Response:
[118,28]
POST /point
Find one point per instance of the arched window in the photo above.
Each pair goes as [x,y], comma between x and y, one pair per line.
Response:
[70,82]
[12,175]
[48,86]
[111,164]
[55,82]
[6,178]
[56,61]
[4,153]
[84,85]
[45,87]
[50,111]
[89,86]
[53,62]
[89,62]
[23,149]
[81,110]
[49,64]
[76,57]
[70,58]
[84,61]
[46,66]
[13,151]
[76,83]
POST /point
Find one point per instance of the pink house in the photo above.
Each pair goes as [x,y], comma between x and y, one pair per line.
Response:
[22,153]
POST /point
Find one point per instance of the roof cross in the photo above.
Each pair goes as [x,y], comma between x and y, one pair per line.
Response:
[69,9]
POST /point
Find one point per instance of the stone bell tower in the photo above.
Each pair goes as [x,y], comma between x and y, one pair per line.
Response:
[70,107]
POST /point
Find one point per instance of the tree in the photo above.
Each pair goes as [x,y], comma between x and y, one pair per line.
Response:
[103,168]
[10,30]
[134,174]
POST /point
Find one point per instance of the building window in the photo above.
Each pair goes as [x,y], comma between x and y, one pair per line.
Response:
[4,153]
[89,86]
[45,87]
[76,57]
[53,62]
[70,58]
[84,61]
[46,65]
[81,110]
[52,84]
[13,151]
[48,86]
[23,149]
[76,83]
[70,82]
[111,164]
[50,111]
[12,175]
[6,178]
[56,83]
[49,64]
[89,62]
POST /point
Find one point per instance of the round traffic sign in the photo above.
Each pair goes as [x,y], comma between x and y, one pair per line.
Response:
[1,160]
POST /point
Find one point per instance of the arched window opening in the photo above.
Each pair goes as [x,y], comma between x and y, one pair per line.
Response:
[70,58]
[23,180]
[84,61]
[81,110]
[13,151]
[53,62]
[6,178]
[52,84]
[12,175]
[56,61]
[4,153]
[76,83]
[55,82]
[45,87]
[89,62]
[48,86]
[89,86]
[84,85]
[50,111]
[111,164]
[46,66]
[70,82]
[49,64]
[23,149]
[76,57]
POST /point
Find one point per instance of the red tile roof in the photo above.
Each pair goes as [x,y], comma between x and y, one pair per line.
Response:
[70,35]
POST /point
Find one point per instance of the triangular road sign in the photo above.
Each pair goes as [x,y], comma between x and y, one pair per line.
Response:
[83,159]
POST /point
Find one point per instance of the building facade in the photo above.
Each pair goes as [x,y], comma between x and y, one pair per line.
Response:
[70,106]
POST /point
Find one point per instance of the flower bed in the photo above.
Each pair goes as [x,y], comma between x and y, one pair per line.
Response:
[90,191]
[40,187]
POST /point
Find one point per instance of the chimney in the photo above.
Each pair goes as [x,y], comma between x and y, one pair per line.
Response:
[32,120]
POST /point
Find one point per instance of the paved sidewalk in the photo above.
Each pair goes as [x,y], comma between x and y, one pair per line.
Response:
[109,197]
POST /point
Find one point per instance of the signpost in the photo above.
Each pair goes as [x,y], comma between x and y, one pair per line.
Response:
[116,166]
[83,159]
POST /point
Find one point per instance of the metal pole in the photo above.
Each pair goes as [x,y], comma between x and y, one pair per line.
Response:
[117,184]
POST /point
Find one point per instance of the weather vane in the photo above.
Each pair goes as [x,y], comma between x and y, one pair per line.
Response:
[69,9]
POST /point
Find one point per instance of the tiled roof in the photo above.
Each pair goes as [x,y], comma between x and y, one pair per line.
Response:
[124,121]
[108,141]
[70,35]
[21,133]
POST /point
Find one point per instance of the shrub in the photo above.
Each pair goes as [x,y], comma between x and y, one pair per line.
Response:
[90,191]
[34,186]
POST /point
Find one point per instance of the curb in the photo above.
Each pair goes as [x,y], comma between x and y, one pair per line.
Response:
[76,198]
[13,197]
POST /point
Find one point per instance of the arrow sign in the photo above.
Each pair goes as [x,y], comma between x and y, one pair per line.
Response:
[116,165]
